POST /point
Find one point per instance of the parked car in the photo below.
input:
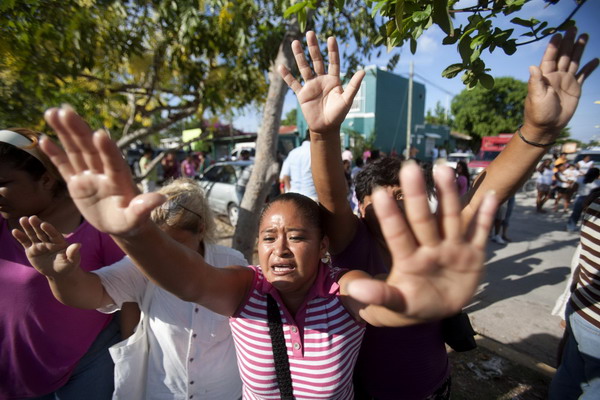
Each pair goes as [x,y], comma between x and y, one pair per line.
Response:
[219,182]
[454,158]
[594,156]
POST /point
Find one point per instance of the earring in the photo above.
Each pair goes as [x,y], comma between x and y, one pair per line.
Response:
[326,259]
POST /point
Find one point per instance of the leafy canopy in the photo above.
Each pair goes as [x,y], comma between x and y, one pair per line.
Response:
[482,112]
[403,21]
[134,67]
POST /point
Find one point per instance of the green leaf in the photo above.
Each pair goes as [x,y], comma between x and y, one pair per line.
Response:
[487,81]
[413,46]
[294,9]
[540,27]
[340,4]
[378,7]
[475,55]
[450,39]
[549,31]
[509,47]
[452,70]
[464,49]
[441,16]
[302,19]
[417,32]
[399,14]
[528,23]
[419,16]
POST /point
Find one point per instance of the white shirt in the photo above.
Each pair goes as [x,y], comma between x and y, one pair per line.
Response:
[347,155]
[584,189]
[584,167]
[191,348]
[546,177]
[297,166]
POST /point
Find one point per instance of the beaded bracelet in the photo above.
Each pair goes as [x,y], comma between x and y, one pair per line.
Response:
[533,143]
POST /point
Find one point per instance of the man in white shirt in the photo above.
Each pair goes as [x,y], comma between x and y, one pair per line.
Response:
[584,165]
[296,172]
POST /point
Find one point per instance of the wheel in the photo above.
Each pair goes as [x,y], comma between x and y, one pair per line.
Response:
[233,213]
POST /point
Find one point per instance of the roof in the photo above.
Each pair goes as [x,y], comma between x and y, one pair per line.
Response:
[285,129]
[459,135]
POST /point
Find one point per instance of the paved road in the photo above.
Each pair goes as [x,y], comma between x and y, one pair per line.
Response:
[523,280]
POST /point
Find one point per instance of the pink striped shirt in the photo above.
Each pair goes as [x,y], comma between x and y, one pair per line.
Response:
[322,341]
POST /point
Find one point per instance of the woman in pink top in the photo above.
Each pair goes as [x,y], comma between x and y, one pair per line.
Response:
[435,272]
[188,167]
[463,178]
[46,348]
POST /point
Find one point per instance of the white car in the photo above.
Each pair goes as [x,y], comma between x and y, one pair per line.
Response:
[454,158]
[218,183]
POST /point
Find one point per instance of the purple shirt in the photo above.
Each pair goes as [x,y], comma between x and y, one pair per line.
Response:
[41,340]
[410,362]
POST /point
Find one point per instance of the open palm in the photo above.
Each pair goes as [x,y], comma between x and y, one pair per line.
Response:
[323,100]
[555,86]
[97,176]
[46,248]
[436,265]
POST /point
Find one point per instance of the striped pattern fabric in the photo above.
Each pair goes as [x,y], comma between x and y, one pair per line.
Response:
[585,300]
[322,342]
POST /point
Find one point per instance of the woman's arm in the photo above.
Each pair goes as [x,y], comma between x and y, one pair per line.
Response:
[324,104]
[554,89]
[100,183]
[52,256]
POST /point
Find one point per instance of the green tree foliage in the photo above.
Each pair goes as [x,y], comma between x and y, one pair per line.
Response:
[482,112]
[134,67]
[403,21]
[290,117]
[439,116]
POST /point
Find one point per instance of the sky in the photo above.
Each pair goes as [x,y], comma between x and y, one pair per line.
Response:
[432,58]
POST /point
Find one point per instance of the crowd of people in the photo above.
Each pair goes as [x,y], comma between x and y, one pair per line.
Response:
[342,304]
[153,174]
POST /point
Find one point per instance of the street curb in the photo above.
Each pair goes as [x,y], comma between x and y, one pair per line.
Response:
[517,357]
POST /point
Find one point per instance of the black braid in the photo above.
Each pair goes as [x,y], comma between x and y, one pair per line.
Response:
[282,364]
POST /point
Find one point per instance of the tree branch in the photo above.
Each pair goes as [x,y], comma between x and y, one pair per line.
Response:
[142,132]
[552,32]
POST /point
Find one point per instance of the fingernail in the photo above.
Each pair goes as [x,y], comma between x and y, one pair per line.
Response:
[67,106]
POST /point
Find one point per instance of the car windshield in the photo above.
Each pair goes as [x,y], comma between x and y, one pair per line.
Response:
[487,155]
[593,157]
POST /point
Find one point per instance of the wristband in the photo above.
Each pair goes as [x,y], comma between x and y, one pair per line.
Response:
[533,143]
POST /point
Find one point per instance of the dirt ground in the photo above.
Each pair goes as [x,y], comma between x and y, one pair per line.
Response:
[481,374]
[476,375]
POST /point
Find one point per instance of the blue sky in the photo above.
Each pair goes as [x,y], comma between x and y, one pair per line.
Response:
[432,58]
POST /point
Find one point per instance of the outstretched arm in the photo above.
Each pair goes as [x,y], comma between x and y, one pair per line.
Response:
[436,263]
[325,103]
[52,256]
[554,89]
[100,183]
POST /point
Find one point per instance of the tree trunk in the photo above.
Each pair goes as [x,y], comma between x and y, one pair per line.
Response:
[266,169]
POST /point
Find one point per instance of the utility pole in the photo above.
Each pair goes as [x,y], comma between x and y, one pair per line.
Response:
[409,111]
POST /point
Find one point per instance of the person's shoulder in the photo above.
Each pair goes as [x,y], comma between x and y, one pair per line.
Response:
[223,252]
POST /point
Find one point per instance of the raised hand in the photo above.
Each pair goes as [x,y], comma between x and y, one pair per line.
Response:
[323,100]
[97,176]
[555,86]
[436,265]
[46,248]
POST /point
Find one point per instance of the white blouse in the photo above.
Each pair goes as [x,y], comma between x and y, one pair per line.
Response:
[191,350]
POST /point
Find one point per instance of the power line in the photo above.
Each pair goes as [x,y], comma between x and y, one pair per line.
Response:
[427,81]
